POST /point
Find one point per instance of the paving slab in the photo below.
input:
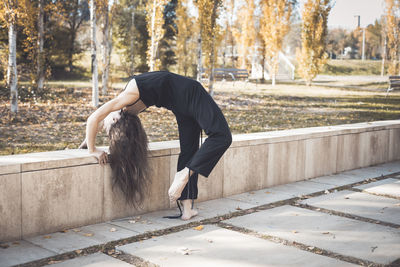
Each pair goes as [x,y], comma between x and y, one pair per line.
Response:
[367,241]
[217,207]
[338,179]
[22,252]
[261,197]
[366,173]
[93,260]
[299,189]
[389,187]
[214,246]
[389,168]
[360,204]
[60,242]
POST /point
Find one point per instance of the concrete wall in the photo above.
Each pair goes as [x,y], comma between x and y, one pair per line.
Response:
[51,191]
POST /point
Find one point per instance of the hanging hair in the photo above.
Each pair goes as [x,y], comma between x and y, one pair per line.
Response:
[128,158]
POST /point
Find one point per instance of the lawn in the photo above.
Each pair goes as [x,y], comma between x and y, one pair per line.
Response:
[57,121]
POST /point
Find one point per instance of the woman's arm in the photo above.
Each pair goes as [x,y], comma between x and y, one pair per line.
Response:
[128,96]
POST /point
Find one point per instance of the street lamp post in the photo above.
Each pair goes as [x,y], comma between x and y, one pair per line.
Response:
[363,41]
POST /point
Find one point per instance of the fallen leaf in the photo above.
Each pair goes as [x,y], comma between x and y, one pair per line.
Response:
[238,208]
[294,232]
[326,192]
[113,230]
[47,236]
[251,193]
[198,228]
[64,231]
[88,234]
[76,230]
[132,221]
[266,192]
[325,233]
[78,251]
[15,243]
[311,248]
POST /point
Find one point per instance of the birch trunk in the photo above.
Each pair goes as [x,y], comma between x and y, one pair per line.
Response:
[12,78]
[199,63]
[106,53]
[95,86]
[133,42]
[153,36]
[40,58]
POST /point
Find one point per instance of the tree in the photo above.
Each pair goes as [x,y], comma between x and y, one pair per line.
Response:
[40,43]
[312,56]
[72,14]
[245,35]
[393,35]
[208,14]
[106,44]
[155,22]
[131,35]
[10,15]
[167,54]
[185,43]
[93,46]
[275,22]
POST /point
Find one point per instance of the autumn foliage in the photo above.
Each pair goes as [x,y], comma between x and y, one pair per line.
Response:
[312,56]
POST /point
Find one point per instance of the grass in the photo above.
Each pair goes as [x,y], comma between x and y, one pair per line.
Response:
[58,120]
[352,67]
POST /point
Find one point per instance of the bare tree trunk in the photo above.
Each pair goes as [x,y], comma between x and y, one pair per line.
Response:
[95,86]
[12,78]
[199,63]
[133,42]
[40,58]
[211,84]
[153,33]
[105,50]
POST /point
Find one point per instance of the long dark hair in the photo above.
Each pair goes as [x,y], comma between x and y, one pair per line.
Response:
[128,157]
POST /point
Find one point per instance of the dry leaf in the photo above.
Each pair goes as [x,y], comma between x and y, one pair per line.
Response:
[47,236]
[78,251]
[113,230]
[198,228]
[131,221]
[15,243]
[238,208]
[294,232]
[88,234]
[266,192]
[325,233]
[64,231]
[76,230]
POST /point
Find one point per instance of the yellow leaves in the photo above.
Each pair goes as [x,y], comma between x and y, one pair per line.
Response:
[199,228]
[88,234]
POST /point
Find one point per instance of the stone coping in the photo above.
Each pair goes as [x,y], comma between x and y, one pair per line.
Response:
[77,157]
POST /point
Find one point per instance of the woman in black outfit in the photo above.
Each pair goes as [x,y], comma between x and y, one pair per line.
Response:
[194,109]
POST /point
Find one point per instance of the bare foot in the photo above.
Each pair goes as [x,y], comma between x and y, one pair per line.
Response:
[180,180]
[188,212]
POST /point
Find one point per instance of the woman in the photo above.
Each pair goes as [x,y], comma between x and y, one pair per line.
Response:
[194,110]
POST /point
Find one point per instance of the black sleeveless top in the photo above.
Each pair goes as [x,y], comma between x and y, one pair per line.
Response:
[155,89]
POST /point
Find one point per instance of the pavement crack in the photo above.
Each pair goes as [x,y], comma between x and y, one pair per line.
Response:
[346,215]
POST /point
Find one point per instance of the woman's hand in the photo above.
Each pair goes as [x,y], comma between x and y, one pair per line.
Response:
[100,155]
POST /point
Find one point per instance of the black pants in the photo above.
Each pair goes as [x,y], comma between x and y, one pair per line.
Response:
[196,110]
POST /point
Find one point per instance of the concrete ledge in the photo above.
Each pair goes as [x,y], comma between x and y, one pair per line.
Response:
[51,191]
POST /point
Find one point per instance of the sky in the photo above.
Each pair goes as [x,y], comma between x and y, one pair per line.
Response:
[343,12]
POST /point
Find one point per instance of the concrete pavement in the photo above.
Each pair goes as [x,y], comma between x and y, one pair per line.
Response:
[348,219]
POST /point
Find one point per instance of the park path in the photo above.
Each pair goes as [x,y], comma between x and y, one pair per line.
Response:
[348,219]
